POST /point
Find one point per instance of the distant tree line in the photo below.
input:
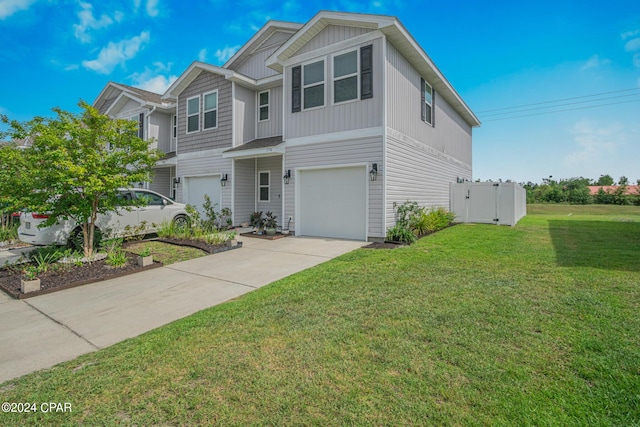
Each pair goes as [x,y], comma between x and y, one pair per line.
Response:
[576,191]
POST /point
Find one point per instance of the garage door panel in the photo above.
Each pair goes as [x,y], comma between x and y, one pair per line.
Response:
[198,186]
[333,202]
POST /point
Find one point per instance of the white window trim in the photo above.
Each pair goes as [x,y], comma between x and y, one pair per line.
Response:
[322,82]
[428,120]
[268,105]
[204,95]
[196,114]
[268,186]
[356,74]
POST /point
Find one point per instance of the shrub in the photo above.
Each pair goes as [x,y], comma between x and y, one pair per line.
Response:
[402,234]
[45,256]
[116,258]
[413,221]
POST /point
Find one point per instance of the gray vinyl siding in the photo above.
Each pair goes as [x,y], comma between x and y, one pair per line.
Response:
[359,151]
[244,185]
[274,165]
[450,135]
[161,181]
[245,115]
[273,126]
[418,173]
[254,66]
[359,114]
[201,166]
[211,138]
[332,34]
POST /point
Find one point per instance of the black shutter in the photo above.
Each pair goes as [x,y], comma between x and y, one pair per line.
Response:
[141,126]
[433,107]
[296,89]
[422,101]
[366,72]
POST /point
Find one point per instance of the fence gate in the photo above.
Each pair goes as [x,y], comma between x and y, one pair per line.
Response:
[503,203]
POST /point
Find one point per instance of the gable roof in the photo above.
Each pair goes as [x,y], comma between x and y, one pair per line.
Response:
[114,92]
[395,32]
[259,39]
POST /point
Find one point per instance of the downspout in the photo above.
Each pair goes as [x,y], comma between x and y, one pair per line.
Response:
[146,184]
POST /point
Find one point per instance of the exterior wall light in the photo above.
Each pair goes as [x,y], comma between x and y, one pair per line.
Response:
[287,176]
[176,180]
[223,180]
[373,173]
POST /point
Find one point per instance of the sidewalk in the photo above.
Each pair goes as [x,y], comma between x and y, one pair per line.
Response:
[43,331]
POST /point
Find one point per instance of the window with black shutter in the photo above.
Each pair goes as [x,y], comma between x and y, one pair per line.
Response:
[296,86]
[366,72]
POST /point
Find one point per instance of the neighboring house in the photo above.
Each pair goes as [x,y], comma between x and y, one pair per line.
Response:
[630,190]
[156,122]
[326,124]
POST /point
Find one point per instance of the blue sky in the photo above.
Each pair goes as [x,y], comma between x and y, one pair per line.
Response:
[496,54]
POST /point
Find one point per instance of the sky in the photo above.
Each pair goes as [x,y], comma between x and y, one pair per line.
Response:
[571,68]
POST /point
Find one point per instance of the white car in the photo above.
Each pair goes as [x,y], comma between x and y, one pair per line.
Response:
[119,223]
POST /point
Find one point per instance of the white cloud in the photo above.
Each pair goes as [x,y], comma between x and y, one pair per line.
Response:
[89,22]
[223,55]
[9,7]
[117,53]
[628,34]
[152,7]
[153,80]
[594,142]
[202,55]
[594,62]
[633,44]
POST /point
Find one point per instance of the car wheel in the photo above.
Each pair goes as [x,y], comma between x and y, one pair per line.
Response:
[181,221]
[76,239]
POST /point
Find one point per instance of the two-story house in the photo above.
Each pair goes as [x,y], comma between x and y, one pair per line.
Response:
[326,124]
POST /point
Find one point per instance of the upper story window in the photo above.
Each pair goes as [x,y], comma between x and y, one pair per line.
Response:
[313,85]
[427,102]
[211,110]
[263,106]
[345,77]
[193,114]
[139,119]
[352,78]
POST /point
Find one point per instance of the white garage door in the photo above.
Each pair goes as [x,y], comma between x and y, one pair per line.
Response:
[333,203]
[197,186]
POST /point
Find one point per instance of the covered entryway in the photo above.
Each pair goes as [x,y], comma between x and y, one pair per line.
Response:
[332,202]
[197,186]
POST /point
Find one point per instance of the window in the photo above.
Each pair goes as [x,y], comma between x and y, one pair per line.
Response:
[211,110]
[427,102]
[193,114]
[263,106]
[263,186]
[139,119]
[345,77]
[313,85]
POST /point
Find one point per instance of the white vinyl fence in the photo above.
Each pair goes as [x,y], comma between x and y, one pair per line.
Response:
[501,203]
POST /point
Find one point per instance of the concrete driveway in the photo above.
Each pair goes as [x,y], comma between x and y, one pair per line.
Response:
[43,331]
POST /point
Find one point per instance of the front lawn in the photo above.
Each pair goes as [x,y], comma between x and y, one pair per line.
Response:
[475,325]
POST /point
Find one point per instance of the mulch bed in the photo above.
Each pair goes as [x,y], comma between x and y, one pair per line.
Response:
[265,236]
[52,280]
[384,245]
[210,249]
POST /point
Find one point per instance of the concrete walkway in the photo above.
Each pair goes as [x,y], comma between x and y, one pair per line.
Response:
[43,331]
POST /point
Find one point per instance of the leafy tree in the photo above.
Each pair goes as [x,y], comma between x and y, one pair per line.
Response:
[623,180]
[76,164]
[605,180]
[13,177]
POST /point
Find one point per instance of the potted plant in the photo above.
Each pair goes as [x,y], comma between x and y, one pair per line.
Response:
[256,221]
[30,282]
[145,258]
[270,224]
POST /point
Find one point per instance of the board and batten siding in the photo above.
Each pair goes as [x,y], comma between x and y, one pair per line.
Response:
[245,115]
[273,165]
[359,114]
[340,153]
[203,166]
[450,135]
[244,185]
[209,139]
[161,181]
[273,126]
[416,172]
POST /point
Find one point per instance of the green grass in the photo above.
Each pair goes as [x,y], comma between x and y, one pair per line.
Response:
[166,253]
[475,325]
